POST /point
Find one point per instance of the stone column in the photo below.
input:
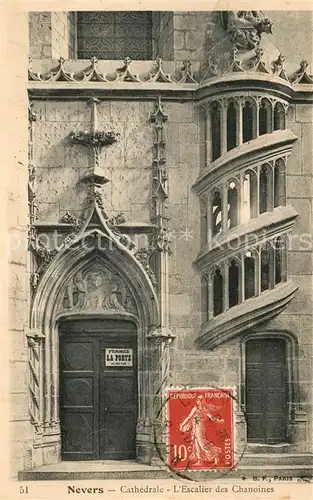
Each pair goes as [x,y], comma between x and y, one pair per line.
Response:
[208,136]
[35,386]
[160,341]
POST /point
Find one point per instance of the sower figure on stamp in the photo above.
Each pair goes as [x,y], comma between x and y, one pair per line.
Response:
[195,424]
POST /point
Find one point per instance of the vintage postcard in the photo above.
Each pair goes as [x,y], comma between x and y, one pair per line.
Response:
[157,266]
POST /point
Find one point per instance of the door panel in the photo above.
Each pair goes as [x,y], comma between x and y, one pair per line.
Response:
[79,394]
[98,403]
[266,391]
[118,410]
[119,443]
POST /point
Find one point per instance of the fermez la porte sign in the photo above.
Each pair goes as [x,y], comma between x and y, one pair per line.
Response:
[118,357]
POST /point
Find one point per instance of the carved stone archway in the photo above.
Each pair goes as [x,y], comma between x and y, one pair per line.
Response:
[129,295]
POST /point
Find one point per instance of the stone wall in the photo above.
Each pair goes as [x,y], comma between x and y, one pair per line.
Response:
[298,317]
[62,164]
[52,35]
[191,35]
[15,182]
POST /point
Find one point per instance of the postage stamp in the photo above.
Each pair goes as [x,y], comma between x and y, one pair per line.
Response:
[201,429]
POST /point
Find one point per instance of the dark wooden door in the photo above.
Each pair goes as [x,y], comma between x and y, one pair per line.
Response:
[118,410]
[266,391]
[79,397]
[98,395]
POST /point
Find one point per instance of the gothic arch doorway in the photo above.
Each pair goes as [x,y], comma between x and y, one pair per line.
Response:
[96,278]
[98,389]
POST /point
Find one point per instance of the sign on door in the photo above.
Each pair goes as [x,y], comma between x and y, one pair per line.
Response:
[118,357]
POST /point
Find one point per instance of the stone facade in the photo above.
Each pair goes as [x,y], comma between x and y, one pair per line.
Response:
[64,205]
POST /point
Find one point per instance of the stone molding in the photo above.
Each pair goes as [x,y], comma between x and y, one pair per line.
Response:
[100,71]
[267,226]
[156,74]
[242,318]
[255,152]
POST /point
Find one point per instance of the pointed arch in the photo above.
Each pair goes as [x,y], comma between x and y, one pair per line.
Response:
[91,247]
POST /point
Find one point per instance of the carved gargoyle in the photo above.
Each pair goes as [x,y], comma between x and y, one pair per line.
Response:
[245,27]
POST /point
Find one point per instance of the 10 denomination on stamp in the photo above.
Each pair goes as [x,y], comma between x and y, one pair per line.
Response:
[200,429]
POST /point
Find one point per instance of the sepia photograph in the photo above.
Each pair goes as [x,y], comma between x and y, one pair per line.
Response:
[158,195]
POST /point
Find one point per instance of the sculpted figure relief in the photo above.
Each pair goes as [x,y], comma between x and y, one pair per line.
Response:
[97,289]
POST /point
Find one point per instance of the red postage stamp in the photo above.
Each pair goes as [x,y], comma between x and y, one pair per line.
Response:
[200,429]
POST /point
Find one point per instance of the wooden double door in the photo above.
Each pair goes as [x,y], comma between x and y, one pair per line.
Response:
[98,390]
[266,391]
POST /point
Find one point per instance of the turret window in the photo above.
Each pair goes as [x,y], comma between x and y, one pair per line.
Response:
[264,190]
[265,117]
[249,273]
[216,213]
[216,130]
[257,191]
[233,284]
[218,291]
[231,126]
[233,208]
[246,275]
[236,120]
[279,117]
[247,122]
[265,267]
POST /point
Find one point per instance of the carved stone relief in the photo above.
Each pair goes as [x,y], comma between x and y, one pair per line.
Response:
[245,27]
[97,289]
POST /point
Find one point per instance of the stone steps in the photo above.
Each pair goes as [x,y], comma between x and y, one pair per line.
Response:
[253,459]
[268,465]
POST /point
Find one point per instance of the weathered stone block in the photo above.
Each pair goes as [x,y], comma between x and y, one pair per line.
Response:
[20,429]
[19,406]
[179,112]
[307,149]
[124,111]
[294,160]
[185,338]
[178,186]
[232,365]
[18,282]
[304,113]
[17,246]
[287,322]
[130,186]
[300,263]
[140,212]
[291,114]
[302,224]
[306,329]
[18,313]
[188,133]
[183,55]
[185,22]
[306,370]
[18,377]
[138,146]
[18,345]
[195,40]
[51,140]
[189,155]
[300,186]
